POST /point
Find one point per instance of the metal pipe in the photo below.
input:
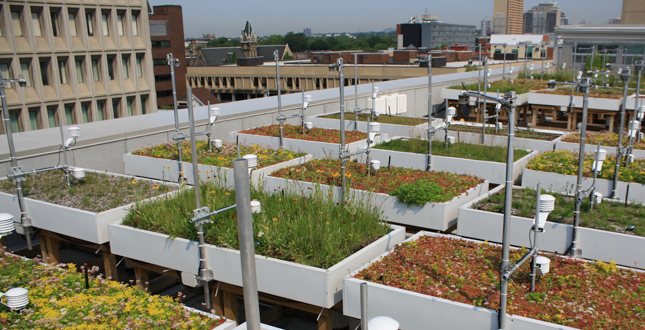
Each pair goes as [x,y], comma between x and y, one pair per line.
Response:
[276,56]
[506,276]
[198,204]
[484,112]
[535,230]
[595,177]
[526,60]
[573,66]
[172,62]
[302,112]
[429,59]
[62,141]
[247,245]
[593,54]
[619,151]
[504,65]
[11,176]
[356,95]
[339,67]
[581,157]
[364,315]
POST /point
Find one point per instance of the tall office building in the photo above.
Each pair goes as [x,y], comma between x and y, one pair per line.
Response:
[508,16]
[427,31]
[487,26]
[633,12]
[543,18]
[82,61]
[167,36]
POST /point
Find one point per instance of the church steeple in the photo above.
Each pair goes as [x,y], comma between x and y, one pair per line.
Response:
[249,41]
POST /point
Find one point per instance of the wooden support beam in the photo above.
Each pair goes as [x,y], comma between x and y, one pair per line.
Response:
[155,268]
[44,252]
[49,249]
[325,322]
[611,124]
[109,265]
[273,299]
[141,275]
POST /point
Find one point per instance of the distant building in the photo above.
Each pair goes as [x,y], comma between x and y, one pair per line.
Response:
[209,36]
[508,16]
[613,20]
[307,32]
[523,45]
[487,26]
[167,35]
[543,18]
[427,31]
[633,12]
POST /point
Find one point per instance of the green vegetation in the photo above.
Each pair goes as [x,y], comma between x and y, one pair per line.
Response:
[167,107]
[608,216]
[224,42]
[95,193]
[522,133]
[459,150]
[503,86]
[298,42]
[311,231]
[420,192]
[384,119]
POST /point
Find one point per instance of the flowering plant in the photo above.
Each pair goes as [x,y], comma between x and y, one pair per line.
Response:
[566,162]
[574,293]
[315,134]
[58,299]
[605,138]
[221,157]
[385,119]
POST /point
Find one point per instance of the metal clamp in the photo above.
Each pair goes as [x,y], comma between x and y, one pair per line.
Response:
[201,215]
[179,136]
[206,275]
[17,174]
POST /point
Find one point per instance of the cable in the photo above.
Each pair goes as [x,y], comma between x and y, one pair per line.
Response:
[530,241]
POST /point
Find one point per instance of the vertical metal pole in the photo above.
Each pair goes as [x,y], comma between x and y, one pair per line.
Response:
[593,54]
[247,246]
[277,75]
[535,229]
[364,315]
[619,151]
[581,158]
[171,62]
[356,94]
[203,267]
[559,58]
[506,232]
[504,64]
[484,111]
[302,112]
[573,66]
[429,58]
[526,60]
[62,141]
[342,131]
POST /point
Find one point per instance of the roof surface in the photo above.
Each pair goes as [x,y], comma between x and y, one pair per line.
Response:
[515,39]
[217,55]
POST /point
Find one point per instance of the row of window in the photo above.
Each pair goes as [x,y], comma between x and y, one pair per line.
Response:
[65,68]
[72,18]
[53,116]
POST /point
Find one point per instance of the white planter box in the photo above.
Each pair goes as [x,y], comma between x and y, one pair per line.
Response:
[590,148]
[500,140]
[597,103]
[319,150]
[262,327]
[492,171]
[567,183]
[416,311]
[227,325]
[453,94]
[166,169]
[437,216]
[388,129]
[625,250]
[307,284]
[84,225]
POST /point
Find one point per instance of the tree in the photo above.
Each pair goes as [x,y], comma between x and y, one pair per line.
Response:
[274,39]
[297,41]
[234,59]
[319,44]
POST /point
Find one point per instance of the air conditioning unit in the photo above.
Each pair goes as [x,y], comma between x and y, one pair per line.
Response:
[380,105]
[392,105]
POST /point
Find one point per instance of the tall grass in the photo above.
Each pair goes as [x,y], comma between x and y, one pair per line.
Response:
[312,231]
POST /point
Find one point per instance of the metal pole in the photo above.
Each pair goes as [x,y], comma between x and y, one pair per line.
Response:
[619,151]
[559,58]
[484,111]
[573,66]
[535,229]
[364,316]
[198,204]
[356,95]
[504,64]
[593,54]
[526,60]
[581,158]
[247,245]
[302,112]
[429,58]
[342,131]
[506,232]
[62,141]
[171,61]
[277,75]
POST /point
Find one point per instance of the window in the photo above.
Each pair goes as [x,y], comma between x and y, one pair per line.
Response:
[100,109]
[115,108]
[69,115]
[89,17]
[135,27]
[14,119]
[62,67]
[164,93]
[25,72]
[71,24]
[15,22]
[159,61]
[4,71]
[79,71]
[126,72]
[95,69]
[161,44]
[85,113]
[44,72]
[33,119]
[163,77]
[51,117]
[143,104]
[129,106]
[119,24]
[110,68]
[139,68]
[55,14]
[35,22]
[104,25]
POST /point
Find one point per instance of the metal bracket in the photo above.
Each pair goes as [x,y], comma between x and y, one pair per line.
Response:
[179,136]
[18,174]
[207,275]
[577,253]
[201,215]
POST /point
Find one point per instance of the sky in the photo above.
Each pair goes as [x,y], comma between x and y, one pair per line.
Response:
[227,18]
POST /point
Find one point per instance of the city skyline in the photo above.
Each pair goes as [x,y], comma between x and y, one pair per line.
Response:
[228,19]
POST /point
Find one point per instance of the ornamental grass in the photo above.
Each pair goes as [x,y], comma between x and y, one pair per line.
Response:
[221,157]
[566,162]
[605,138]
[384,119]
[521,133]
[574,293]
[610,216]
[316,134]
[58,299]
[313,231]
[459,150]
[385,181]
[97,192]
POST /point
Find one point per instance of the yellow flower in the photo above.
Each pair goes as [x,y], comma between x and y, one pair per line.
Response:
[279,199]
[349,175]
[155,187]
[327,222]
[267,228]
[275,219]
[212,191]
[335,174]
[134,181]
[167,168]
[319,171]
[228,193]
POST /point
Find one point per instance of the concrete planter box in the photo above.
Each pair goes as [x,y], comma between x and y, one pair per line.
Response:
[388,129]
[453,94]
[84,225]
[262,327]
[492,171]
[500,140]
[437,216]
[416,311]
[307,284]
[319,150]
[227,325]
[566,184]
[625,250]
[597,103]
[166,169]
[589,148]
